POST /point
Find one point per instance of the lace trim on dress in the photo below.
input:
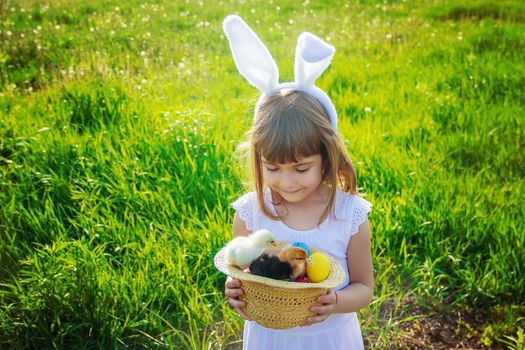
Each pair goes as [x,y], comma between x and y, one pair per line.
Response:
[361,209]
[245,210]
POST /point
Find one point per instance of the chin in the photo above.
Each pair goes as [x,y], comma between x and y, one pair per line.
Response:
[293,197]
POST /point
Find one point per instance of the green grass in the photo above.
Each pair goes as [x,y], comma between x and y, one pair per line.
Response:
[118,130]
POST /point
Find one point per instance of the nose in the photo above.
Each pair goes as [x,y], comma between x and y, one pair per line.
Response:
[287,180]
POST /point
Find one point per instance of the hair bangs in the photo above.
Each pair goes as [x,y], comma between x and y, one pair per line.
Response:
[288,138]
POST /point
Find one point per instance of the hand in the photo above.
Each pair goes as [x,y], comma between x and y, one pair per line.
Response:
[233,290]
[327,308]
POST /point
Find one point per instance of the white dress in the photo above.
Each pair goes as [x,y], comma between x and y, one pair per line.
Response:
[339,331]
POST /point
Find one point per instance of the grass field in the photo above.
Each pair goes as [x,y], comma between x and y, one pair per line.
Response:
[119,123]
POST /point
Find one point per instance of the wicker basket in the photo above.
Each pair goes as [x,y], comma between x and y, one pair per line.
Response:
[279,304]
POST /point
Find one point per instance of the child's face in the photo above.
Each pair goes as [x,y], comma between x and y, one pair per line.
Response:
[295,182]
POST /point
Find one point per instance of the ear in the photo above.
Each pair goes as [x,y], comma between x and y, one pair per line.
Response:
[312,57]
[252,58]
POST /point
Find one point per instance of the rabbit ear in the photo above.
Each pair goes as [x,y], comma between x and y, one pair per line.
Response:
[252,58]
[312,57]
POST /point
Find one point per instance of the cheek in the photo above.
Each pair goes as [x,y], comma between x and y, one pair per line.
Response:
[313,179]
[268,177]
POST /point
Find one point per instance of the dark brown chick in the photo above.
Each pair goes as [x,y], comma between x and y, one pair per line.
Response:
[272,267]
[297,259]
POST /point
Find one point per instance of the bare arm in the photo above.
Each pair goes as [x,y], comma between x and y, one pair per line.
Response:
[239,226]
[233,287]
[358,293]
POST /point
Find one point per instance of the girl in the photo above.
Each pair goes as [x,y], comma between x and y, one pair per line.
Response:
[306,191]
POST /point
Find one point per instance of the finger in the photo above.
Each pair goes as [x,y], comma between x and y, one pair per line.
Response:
[329,298]
[239,305]
[310,320]
[236,303]
[234,293]
[243,314]
[232,283]
[322,309]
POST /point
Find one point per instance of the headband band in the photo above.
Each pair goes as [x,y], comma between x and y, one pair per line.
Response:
[256,64]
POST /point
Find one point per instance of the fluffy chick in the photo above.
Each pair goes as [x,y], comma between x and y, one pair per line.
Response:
[241,251]
[270,266]
[296,257]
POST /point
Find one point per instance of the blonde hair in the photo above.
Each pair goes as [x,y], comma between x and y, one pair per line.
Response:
[291,125]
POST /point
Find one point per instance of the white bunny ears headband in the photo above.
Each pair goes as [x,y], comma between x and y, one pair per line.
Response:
[256,64]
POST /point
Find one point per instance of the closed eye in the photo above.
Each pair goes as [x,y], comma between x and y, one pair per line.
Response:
[272,169]
[302,170]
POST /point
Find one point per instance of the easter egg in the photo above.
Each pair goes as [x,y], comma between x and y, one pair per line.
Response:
[302,246]
[317,267]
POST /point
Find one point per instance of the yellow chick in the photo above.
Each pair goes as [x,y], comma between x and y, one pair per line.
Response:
[297,258]
[241,251]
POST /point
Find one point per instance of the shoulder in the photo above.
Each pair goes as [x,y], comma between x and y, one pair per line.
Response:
[240,225]
[353,209]
[246,199]
[246,212]
[361,203]
[351,202]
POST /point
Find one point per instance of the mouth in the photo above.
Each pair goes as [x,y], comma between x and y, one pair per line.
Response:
[291,192]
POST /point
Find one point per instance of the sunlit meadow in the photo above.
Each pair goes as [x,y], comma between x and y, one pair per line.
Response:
[119,123]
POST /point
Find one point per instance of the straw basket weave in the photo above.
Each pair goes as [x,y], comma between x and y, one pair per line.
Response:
[279,304]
